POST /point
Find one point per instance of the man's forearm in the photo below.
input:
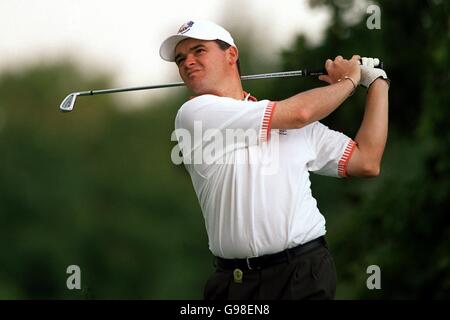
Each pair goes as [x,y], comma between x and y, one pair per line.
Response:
[309,106]
[372,134]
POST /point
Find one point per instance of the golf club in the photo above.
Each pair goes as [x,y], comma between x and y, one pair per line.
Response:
[68,103]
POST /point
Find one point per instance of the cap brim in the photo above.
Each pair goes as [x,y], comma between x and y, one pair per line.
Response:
[167,49]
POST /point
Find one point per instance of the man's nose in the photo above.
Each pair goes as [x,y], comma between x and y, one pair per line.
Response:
[190,60]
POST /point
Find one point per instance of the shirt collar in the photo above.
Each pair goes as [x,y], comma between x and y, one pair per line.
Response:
[249,97]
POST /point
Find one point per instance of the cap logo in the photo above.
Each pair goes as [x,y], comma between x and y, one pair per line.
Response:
[185,27]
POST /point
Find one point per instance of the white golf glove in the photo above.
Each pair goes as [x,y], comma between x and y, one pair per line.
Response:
[369,73]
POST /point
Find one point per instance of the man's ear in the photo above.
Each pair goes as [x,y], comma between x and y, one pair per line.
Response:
[233,55]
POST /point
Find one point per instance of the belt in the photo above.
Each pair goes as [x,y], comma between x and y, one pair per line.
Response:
[270,259]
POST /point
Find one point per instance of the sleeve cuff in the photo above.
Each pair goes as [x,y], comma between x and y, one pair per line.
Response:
[343,162]
[267,122]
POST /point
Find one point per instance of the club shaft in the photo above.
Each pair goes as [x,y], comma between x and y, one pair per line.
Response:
[285,74]
[69,102]
[103,91]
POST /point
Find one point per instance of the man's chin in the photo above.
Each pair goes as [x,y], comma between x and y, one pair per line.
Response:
[198,90]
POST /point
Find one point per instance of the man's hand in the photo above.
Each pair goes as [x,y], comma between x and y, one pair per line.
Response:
[341,68]
[369,73]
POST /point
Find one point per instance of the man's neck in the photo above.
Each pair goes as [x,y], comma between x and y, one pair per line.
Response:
[232,88]
[237,93]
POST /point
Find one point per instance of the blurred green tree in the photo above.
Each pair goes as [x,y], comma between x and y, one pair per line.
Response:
[95,188]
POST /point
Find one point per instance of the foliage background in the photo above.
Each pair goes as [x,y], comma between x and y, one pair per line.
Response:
[97,187]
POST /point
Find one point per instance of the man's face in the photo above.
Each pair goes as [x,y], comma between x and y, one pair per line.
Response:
[202,65]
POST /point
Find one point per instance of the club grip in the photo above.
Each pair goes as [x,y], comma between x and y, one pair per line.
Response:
[319,72]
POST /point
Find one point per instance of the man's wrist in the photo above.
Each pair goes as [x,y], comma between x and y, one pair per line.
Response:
[353,82]
[380,82]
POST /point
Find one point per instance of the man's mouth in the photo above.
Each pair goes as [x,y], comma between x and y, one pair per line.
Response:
[191,73]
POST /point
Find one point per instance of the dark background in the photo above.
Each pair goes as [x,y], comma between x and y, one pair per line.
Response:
[96,187]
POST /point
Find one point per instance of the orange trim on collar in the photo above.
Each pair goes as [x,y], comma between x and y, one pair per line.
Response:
[250,98]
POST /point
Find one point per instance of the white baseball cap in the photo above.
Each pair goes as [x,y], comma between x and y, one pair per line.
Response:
[199,29]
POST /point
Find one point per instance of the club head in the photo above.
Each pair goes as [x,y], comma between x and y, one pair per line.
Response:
[68,103]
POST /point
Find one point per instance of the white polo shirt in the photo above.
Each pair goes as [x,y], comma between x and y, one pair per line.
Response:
[255,192]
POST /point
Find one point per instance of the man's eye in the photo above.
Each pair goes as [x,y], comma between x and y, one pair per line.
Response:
[179,61]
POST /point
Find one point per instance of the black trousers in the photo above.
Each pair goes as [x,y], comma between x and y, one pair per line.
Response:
[311,275]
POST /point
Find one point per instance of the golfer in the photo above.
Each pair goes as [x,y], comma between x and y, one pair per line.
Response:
[262,221]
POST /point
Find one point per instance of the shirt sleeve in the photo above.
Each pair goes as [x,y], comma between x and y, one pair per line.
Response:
[331,150]
[223,121]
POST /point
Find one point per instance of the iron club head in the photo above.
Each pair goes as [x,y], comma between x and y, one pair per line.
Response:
[68,103]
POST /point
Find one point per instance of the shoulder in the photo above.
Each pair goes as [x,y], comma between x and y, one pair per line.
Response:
[197,108]
[203,100]
[208,102]
[197,104]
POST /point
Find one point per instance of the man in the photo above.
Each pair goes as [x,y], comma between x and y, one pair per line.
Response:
[263,225]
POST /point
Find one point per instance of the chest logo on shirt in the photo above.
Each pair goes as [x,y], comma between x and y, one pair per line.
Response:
[282,132]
